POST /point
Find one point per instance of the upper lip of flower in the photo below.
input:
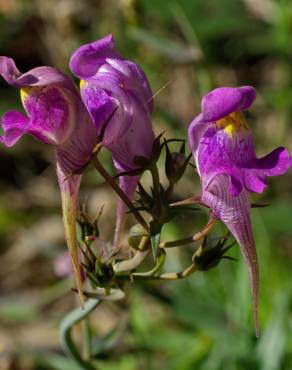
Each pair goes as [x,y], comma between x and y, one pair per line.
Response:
[111,82]
[99,63]
[222,101]
[232,123]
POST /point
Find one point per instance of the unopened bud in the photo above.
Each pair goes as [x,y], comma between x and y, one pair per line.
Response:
[175,165]
[206,258]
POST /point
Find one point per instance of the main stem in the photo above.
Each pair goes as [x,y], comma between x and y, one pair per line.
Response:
[120,193]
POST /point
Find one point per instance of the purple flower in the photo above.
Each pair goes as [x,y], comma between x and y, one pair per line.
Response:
[111,85]
[222,145]
[55,115]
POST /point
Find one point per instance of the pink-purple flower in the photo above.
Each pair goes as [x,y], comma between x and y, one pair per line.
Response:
[222,145]
[112,86]
[54,115]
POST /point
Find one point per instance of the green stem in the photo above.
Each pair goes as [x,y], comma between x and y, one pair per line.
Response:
[134,262]
[120,192]
[159,263]
[178,275]
[191,239]
[165,276]
[71,319]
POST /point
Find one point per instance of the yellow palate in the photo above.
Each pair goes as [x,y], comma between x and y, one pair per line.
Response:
[82,84]
[233,123]
[24,93]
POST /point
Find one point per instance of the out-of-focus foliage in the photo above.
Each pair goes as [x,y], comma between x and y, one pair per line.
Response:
[186,48]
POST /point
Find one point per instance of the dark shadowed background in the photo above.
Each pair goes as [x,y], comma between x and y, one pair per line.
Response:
[186,47]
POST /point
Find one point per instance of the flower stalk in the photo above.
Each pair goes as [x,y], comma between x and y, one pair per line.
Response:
[191,239]
[100,168]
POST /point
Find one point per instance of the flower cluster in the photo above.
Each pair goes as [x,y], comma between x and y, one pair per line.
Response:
[113,109]
[113,90]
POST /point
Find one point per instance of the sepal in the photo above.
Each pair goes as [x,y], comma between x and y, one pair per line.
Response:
[175,163]
[208,256]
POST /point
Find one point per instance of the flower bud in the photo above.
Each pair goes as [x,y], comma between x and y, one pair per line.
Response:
[207,257]
[175,164]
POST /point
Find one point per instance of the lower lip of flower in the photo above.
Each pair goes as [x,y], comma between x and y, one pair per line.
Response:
[34,102]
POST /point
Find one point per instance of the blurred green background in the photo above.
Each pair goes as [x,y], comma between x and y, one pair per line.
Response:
[186,47]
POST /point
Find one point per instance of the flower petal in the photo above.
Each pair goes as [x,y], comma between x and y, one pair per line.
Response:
[14,125]
[37,77]
[219,154]
[86,60]
[253,181]
[133,78]
[136,141]
[235,187]
[9,71]
[257,170]
[115,88]
[129,131]
[99,104]
[234,212]
[76,152]
[224,100]
[196,130]
[52,114]
[275,163]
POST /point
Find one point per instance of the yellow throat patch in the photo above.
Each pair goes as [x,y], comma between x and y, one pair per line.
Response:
[232,123]
[82,84]
[24,93]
